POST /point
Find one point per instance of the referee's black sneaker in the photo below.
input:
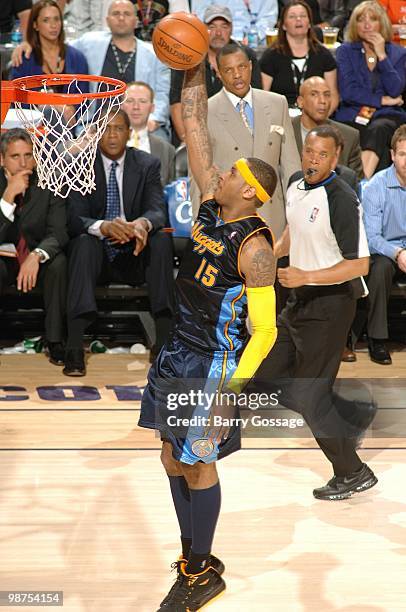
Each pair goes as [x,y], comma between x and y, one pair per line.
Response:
[193,591]
[215,563]
[342,487]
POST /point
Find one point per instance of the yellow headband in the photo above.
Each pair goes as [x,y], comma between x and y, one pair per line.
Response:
[243,169]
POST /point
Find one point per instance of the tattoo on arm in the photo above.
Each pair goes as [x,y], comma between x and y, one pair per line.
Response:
[213,181]
[262,269]
[194,115]
[259,263]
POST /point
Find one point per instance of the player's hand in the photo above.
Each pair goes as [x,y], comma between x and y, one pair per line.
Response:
[140,229]
[24,49]
[28,274]
[117,230]
[218,429]
[16,183]
[291,277]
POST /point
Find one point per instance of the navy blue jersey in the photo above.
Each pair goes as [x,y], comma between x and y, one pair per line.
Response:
[212,303]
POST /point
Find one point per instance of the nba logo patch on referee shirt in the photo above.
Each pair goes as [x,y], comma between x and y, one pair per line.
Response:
[314,214]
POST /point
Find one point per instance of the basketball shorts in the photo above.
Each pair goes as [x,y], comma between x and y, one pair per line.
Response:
[182,384]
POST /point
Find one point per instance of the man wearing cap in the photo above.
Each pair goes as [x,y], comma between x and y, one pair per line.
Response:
[264,13]
[220,26]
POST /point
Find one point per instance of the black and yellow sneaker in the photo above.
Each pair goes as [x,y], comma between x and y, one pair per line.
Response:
[192,591]
[215,563]
[343,487]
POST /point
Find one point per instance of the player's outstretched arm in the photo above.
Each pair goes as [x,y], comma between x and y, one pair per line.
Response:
[194,115]
[258,265]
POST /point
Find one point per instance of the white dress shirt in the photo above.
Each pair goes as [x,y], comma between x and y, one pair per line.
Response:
[95,228]
[141,142]
[249,110]
[236,99]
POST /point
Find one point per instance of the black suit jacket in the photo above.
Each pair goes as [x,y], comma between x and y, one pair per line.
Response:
[142,194]
[42,219]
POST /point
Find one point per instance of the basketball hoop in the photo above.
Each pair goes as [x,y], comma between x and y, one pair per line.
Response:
[72,123]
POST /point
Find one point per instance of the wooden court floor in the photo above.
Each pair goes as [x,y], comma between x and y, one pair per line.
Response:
[85,507]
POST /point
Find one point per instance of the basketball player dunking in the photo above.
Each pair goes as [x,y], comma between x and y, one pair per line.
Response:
[227,273]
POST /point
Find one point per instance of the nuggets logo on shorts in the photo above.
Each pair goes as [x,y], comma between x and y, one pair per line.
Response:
[202,448]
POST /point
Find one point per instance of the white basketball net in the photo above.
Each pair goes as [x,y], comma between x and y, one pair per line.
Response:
[65,141]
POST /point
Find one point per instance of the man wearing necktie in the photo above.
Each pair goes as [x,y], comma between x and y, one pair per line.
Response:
[247,122]
[139,105]
[35,221]
[116,238]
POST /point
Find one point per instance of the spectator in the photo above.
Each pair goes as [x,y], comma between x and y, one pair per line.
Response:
[263,12]
[45,50]
[47,53]
[115,237]
[138,105]
[262,128]
[220,25]
[297,55]
[10,9]
[333,13]
[315,8]
[118,54]
[396,10]
[371,79]
[384,203]
[35,221]
[315,101]
[89,15]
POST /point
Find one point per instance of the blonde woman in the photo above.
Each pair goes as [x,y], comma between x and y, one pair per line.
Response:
[371,81]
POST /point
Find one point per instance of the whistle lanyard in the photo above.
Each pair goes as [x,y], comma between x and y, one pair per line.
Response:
[299,75]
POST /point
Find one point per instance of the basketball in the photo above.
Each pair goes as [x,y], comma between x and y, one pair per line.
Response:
[180,41]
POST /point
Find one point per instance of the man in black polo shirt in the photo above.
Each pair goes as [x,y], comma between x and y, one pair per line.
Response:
[326,242]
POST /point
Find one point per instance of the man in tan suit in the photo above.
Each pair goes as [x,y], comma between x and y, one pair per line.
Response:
[315,102]
[262,129]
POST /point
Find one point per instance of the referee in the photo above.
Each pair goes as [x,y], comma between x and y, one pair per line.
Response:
[326,242]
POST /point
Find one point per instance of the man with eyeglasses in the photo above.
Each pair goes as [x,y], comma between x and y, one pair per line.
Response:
[116,238]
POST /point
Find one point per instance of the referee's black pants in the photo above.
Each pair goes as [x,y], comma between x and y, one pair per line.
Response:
[312,333]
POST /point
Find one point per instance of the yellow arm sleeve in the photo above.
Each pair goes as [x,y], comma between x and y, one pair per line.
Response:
[262,314]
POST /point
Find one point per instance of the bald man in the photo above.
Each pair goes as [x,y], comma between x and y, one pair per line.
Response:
[315,101]
[118,54]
